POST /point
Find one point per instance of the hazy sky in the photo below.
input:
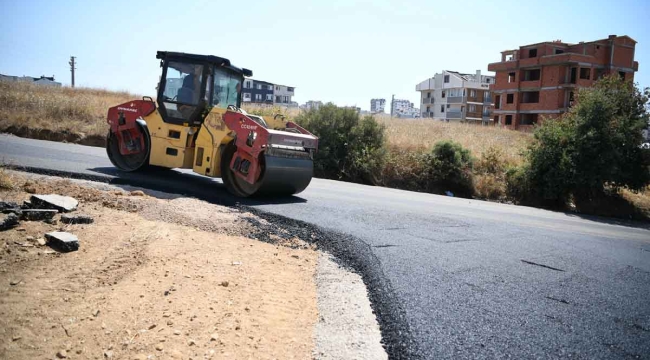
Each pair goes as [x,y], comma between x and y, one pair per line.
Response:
[346,52]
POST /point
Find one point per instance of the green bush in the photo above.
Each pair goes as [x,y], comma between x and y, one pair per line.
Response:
[593,148]
[349,148]
[489,175]
[449,168]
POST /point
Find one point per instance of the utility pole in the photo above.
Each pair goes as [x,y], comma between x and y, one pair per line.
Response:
[392,105]
[72,67]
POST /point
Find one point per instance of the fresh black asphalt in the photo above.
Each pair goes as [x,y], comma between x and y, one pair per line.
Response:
[448,277]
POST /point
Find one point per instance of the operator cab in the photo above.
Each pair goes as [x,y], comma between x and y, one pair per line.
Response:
[191,84]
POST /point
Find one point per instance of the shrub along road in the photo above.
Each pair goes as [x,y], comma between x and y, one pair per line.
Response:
[448,277]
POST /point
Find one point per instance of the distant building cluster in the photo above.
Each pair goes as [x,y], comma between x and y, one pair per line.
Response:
[43,80]
[404,109]
[532,82]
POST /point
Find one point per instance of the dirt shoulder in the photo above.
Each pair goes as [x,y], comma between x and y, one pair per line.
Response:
[153,278]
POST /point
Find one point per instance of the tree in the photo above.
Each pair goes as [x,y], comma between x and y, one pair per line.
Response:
[594,147]
[349,148]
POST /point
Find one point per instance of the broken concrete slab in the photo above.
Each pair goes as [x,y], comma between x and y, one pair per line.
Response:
[53,201]
[62,241]
[38,214]
[8,205]
[8,221]
[76,219]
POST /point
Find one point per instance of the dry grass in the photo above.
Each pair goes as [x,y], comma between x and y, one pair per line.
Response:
[422,134]
[57,109]
[7,181]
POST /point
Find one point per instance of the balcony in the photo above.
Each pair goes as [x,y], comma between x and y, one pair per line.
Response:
[427,114]
[456,99]
[487,100]
[427,101]
[454,115]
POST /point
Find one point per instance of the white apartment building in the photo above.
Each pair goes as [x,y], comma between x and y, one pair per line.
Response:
[312,104]
[404,109]
[377,105]
[454,96]
[282,95]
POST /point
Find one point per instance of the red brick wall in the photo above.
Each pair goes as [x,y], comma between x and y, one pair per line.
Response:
[623,56]
[552,75]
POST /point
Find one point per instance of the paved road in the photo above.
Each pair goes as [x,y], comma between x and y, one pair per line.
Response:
[472,279]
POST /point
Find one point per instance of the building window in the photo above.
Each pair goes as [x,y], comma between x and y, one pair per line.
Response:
[429,95]
[448,106]
[248,84]
[428,109]
[585,73]
[528,119]
[259,86]
[442,108]
[497,102]
[573,75]
[269,97]
[559,51]
[246,96]
[622,75]
[270,87]
[487,80]
[510,98]
[532,75]
[511,77]
[472,108]
[258,97]
[286,99]
[446,79]
[570,98]
[496,119]
[277,88]
[443,94]
[508,119]
[472,93]
[532,53]
[530,97]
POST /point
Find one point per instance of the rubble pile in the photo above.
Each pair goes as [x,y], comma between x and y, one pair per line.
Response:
[46,208]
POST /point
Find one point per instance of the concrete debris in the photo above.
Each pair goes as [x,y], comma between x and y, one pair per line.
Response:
[76,219]
[214,337]
[41,241]
[16,338]
[37,214]
[108,354]
[8,221]
[62,354]
[8,207]
[159,347]
[14,282]
[63,241]
[236,262]
[53,201]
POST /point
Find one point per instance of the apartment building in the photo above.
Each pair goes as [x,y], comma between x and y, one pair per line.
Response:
[377,105]
[454,96]
[257,92]
[540,80]
[404,109]
[266,93]
[283,94]
[312,104]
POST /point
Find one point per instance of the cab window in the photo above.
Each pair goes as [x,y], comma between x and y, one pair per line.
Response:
[227,88]
[182,89]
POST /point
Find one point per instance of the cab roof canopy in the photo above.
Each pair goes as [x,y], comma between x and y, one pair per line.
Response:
[216,60]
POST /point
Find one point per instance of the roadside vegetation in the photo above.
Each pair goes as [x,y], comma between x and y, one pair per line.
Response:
[588,161]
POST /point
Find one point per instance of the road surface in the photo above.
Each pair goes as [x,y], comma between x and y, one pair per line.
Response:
[450,277]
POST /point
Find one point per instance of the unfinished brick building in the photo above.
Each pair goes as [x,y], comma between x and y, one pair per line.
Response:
[540,80]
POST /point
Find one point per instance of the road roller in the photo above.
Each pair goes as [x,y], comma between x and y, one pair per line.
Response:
[196,122]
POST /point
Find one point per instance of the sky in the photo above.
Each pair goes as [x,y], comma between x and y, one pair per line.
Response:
[346,52]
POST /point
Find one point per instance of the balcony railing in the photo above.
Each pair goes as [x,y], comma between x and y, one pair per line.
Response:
[427,101]
[454,115]
[456,99]
[427,114]
[487,100]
